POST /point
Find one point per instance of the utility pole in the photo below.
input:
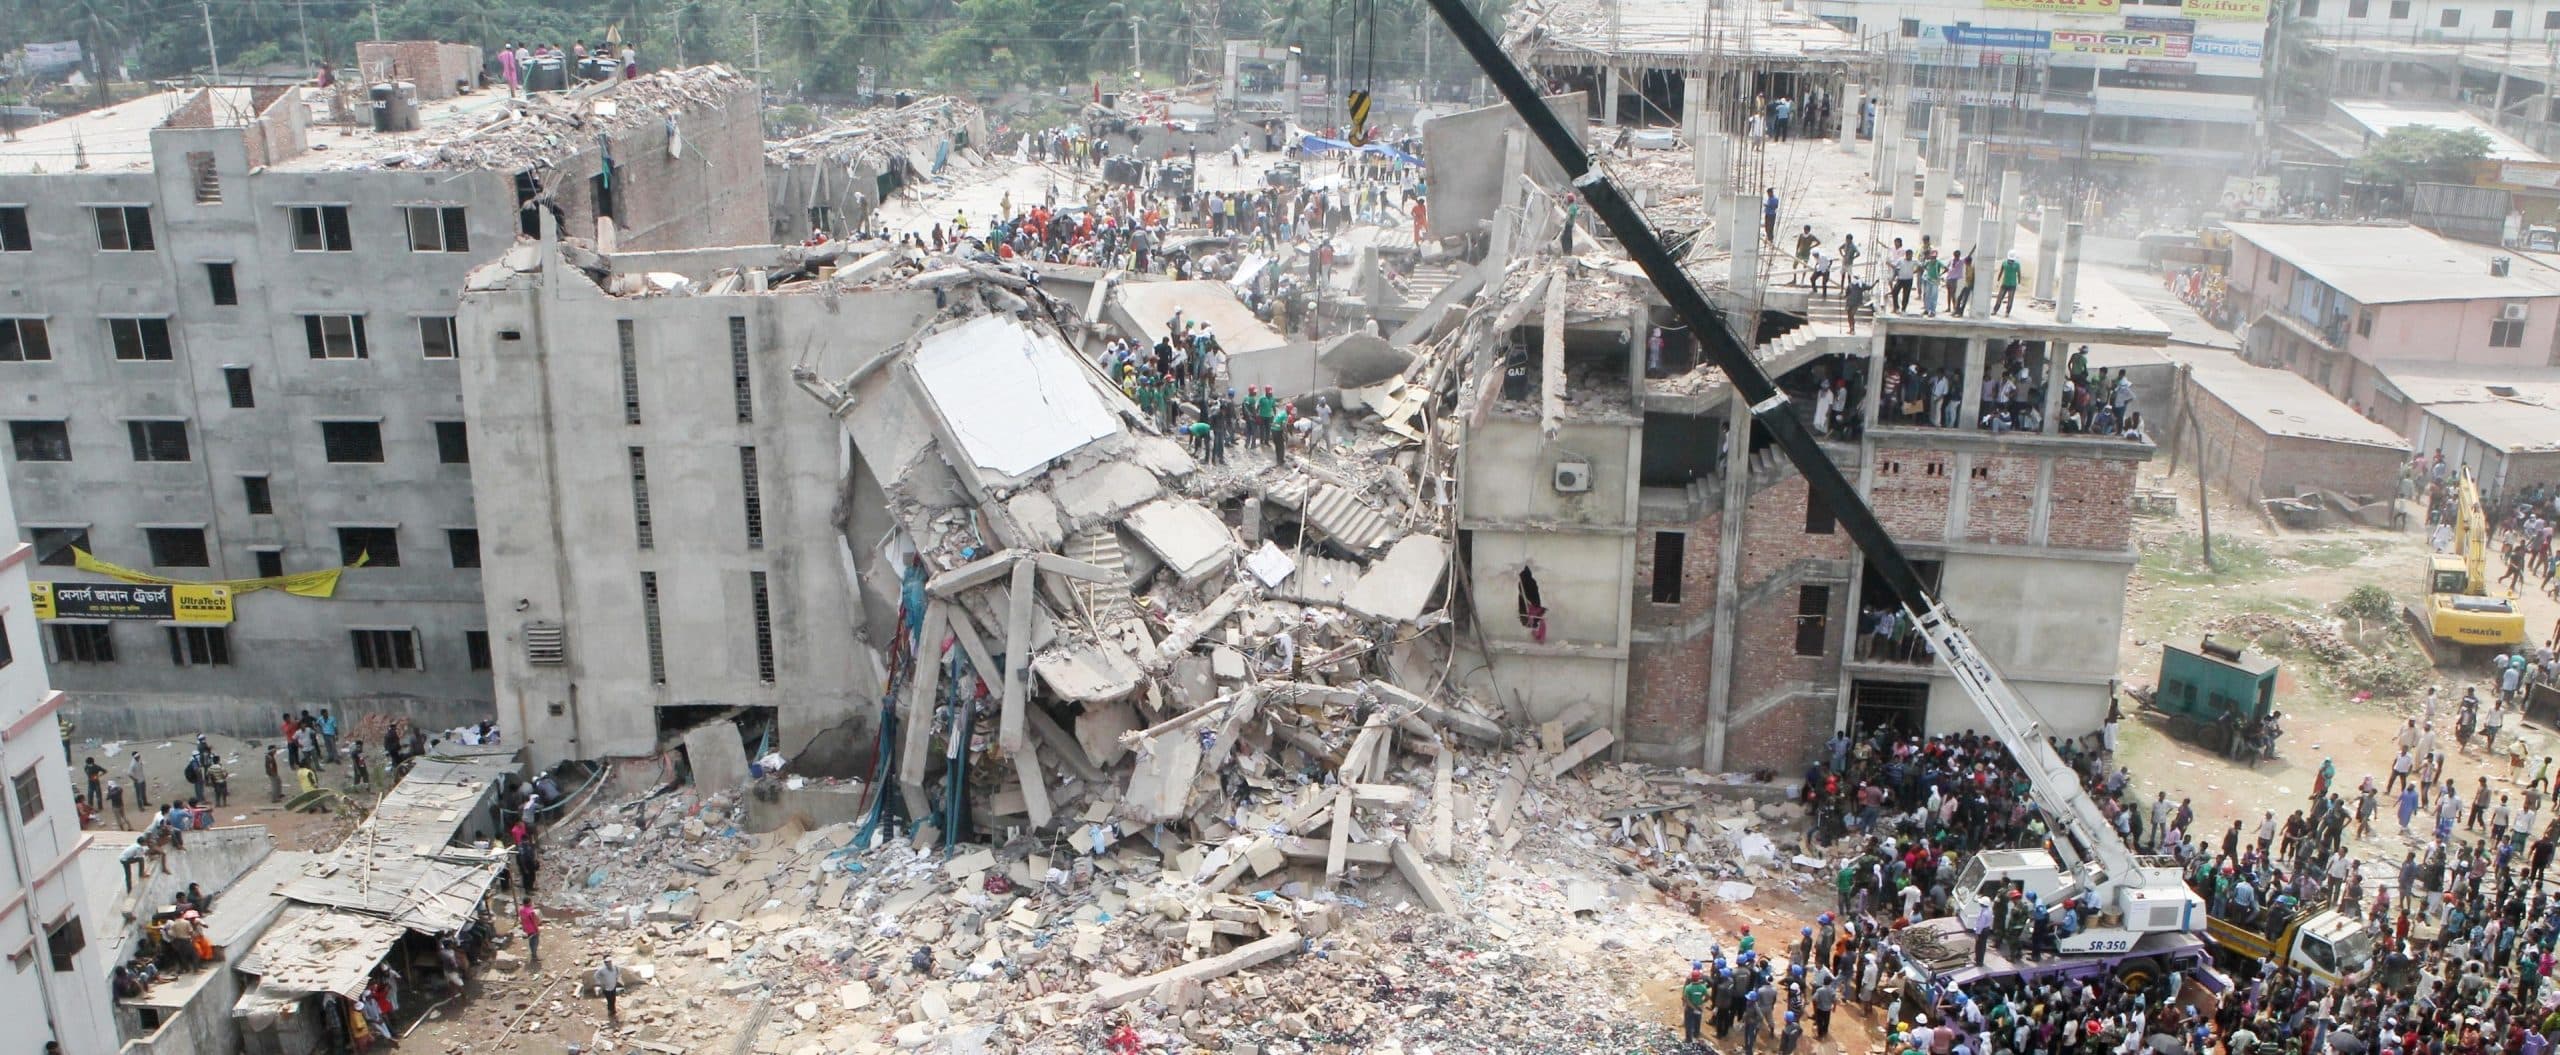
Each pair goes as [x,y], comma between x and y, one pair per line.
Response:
[1137,62]
[305,26]
[755,35]
[376,5]
[212,56]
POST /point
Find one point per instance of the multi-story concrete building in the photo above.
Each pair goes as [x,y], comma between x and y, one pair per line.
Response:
[681,553]
[1632,546]
[57,990]
[2173,88]
[2331,301]
[227,329]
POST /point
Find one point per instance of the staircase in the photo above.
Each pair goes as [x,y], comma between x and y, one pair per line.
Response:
[1100,547]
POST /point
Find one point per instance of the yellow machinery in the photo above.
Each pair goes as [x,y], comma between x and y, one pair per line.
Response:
[2461,614]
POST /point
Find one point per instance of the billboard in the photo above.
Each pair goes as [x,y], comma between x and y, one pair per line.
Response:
[2225,10]
[2221,48]
[2058,7]
[1996,37]
[2120,42]
[116,600]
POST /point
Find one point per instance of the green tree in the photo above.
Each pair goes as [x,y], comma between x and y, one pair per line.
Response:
[2419,153]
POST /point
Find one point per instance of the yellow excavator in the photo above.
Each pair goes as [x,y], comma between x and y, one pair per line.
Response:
[2462,618]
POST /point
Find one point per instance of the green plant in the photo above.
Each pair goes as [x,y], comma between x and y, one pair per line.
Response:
[2368,602]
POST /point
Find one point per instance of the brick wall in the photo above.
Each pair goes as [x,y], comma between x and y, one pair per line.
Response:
[1778,559]
[1910,492]
[1785,738]
[2233,451]
[2293,464]
[433,67]
[2092,503]
[1667,675]
[713,195]
[2000,500]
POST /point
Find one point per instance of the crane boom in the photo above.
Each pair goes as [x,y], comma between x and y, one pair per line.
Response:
[2055,788]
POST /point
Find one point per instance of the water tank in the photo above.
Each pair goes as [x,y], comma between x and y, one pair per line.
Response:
[395,106]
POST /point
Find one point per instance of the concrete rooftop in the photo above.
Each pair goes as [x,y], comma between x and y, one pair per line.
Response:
[2398,263]
[2281,402]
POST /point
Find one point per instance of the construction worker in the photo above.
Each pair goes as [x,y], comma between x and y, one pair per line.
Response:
[1693,1005]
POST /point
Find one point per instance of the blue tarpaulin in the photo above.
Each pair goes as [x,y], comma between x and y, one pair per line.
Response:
[1312,145]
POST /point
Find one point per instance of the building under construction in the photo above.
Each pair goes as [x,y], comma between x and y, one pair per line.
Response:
[1632,548]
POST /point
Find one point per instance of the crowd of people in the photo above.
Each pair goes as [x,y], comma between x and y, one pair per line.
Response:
[2462,931]
[2012,396]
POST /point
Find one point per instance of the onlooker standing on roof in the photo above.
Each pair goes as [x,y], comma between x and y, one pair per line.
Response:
[2007,302]
[133,772]
[328,734]
[511,68]
[275,777]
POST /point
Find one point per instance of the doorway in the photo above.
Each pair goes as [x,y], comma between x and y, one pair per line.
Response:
[1899,708]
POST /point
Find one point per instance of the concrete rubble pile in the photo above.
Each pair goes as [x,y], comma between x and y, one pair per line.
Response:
[1520,899]
[535,130]
[870,138]
[1192,750]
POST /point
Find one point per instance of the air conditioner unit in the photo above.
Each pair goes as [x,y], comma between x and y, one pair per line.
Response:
[2512,312]
[1573,477]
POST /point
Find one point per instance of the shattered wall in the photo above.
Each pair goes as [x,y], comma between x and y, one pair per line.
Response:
[548,405]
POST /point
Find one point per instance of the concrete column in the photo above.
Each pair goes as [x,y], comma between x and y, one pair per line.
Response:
[2010,192]
[1720,649]
[1966,234]
[1880,165]
[1906,159]
[1515,161]
[1971,400]
[1847,108]
[1986,275]
[1690,104]
[1745,243]
[1609,96]
[1715,167]
[2048,252]
[1933,204]
[1977,175]
[2057,356]
[1872,402]
[2068,298]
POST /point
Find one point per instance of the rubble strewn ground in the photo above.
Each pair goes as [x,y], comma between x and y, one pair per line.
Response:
[1570,908]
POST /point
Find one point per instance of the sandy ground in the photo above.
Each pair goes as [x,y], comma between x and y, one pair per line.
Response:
[2302,575]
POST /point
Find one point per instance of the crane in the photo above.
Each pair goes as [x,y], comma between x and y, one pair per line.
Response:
[2136,898]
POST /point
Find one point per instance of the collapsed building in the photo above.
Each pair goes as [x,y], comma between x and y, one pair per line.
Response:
[832,179]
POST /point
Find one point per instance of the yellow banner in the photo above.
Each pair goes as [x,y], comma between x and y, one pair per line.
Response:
[169,602]
[2059,7]
[299,584]
[2225,10]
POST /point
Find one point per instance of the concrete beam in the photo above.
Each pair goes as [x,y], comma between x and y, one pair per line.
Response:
[1340,845]
[1444,807]
[983,570]
[1113,992]
[1010,728]
[1551,363]
[914,738]
[1076,569]
[1418,874]
[1581,752]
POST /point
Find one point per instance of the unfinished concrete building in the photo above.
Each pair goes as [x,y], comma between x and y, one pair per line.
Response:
[227,326]
[1633,550]
[832,180]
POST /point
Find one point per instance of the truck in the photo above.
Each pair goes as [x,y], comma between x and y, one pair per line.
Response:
[2145,919]
[2462,619]
[2315,938]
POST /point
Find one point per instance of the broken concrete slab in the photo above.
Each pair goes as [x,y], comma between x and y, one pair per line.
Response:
[1359,359]
[1193,543]
[1581,751]
[1085,672]
[1104,490]
[1401,583]
[1099,728]
[718,755]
